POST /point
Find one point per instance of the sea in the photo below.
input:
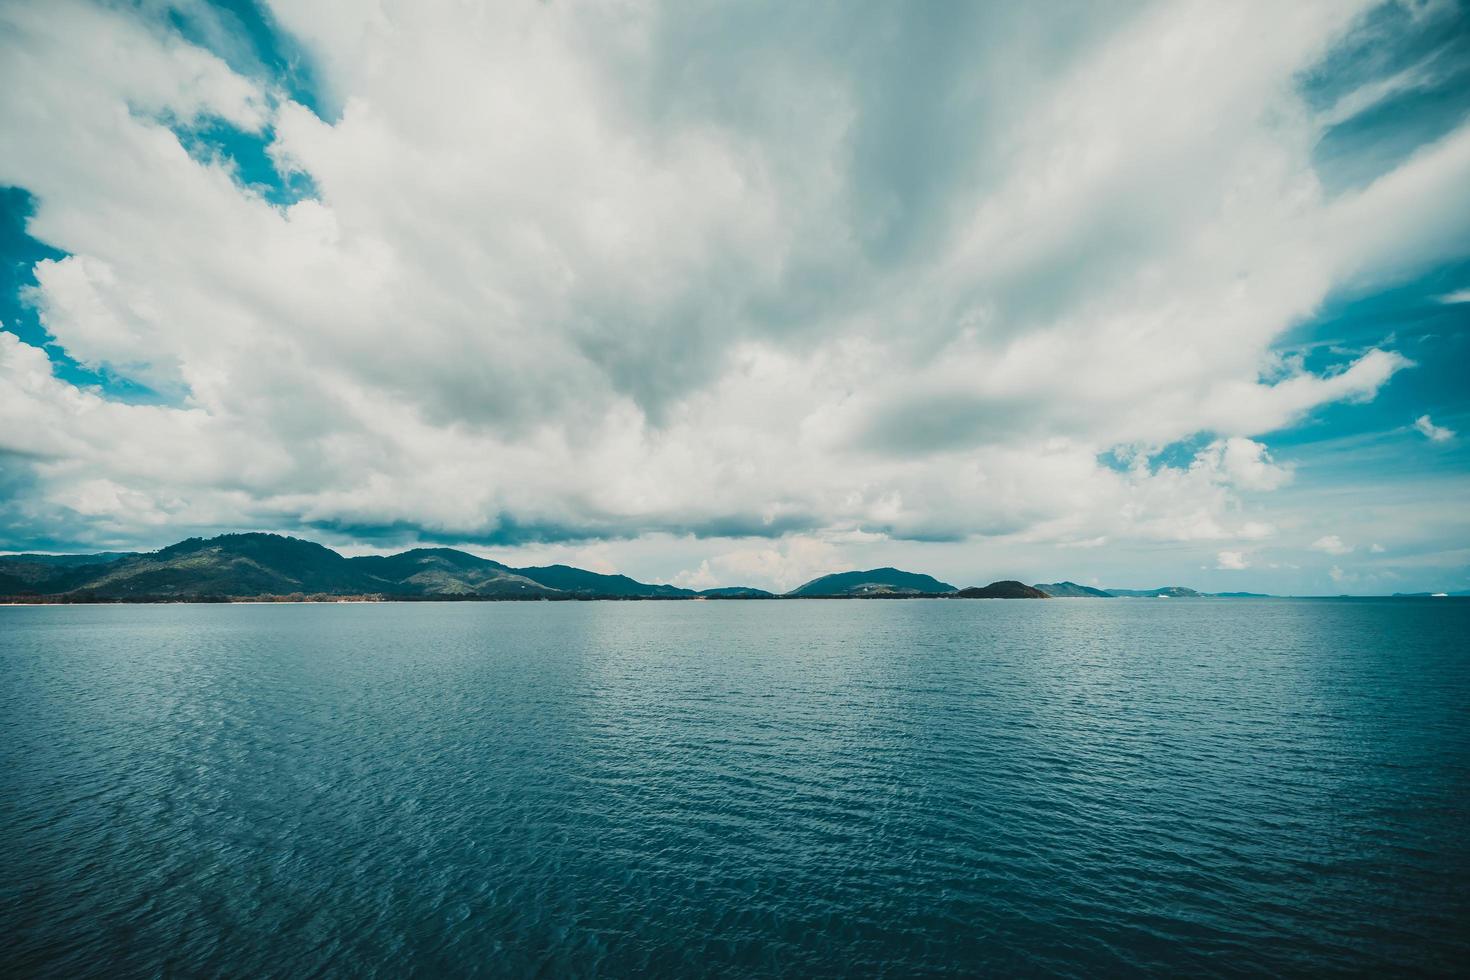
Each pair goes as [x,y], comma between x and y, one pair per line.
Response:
[743,788]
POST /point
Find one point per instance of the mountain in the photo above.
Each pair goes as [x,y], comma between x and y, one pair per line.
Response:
[1007,589]
[446,572]
[1071,590]
[578,581]
[229,565]
[874,582]
[1166,592]
[27,574]
[258,565]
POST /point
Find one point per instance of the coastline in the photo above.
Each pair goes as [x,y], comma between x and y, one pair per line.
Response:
[381,600]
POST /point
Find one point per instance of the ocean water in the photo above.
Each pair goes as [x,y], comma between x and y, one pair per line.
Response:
[925,787]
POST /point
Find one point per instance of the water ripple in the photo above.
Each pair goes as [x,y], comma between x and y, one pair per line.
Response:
[732,789]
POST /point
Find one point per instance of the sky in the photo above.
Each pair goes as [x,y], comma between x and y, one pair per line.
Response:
[1128,294]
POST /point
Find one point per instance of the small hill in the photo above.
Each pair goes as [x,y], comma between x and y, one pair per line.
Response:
[446,572]
[873,582]
[579,581]
[231,564]
[737,592]
[1071,590]
[46,574]
[1007,589]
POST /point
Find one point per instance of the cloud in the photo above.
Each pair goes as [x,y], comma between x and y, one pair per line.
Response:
[1331,544]
[784,565]
[697,579]
[1421,76]
[1232,561]
[1434,433]
[1244,464]
[1458,296]
[621,283]
[1406,218]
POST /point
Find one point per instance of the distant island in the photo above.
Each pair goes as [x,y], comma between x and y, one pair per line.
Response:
[1002,590]
[1431,595]
[273,567]
[263,567]
[1071,590]
[874,582]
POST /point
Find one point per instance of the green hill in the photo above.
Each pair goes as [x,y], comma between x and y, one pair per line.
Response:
[874,582]
[579,581]
[262,565]
[229,565]
[1007,589]
[33,574]
[1071,590]
[447,572]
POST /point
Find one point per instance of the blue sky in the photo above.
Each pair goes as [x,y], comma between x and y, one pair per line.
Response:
[742,294]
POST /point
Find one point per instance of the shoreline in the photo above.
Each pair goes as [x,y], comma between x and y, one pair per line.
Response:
[449,600]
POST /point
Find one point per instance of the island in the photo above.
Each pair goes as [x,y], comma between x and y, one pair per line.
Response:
[262,567]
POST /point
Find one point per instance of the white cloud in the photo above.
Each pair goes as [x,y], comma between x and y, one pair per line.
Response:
[620,284]
[1435,433]
[1407,217]
[1422,75]
[1244,464]
[784,564]
[1458,296]
[1232,561]
[1255,530]
[697,579]
[1331,544]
